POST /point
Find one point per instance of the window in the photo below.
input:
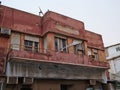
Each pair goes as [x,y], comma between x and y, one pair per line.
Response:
[117,49]
[31,43]
[60,44]
[28,45]
[15,41]
[93,53]
[78,48]
[31,46]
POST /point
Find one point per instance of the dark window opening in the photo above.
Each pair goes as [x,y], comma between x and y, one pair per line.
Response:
[26,87]
[79,49]
[93,54]
[64,87]
[60,44]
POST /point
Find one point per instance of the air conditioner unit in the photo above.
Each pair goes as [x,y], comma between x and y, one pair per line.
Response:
[28,80]
[5,31]
[12,80]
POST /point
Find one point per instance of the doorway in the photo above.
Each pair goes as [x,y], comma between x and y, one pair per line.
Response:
[26,88]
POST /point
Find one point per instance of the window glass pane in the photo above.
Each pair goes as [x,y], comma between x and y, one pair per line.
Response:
[28,45]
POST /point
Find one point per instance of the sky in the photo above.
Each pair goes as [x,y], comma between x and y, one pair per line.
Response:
[99,16]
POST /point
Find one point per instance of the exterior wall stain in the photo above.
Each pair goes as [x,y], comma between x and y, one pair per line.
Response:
[35,60]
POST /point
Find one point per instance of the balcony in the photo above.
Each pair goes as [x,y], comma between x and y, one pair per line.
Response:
[56,57]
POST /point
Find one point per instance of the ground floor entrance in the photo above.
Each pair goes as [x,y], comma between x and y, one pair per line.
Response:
[50,84]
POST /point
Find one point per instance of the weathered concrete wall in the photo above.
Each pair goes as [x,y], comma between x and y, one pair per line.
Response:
[102,55]
[53,22]
[64,19]
[52,70]
[50,39]
[71,48]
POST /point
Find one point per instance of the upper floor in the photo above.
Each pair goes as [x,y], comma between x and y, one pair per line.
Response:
[50,38]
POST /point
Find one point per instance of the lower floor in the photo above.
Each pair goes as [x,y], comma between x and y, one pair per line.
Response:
[52,76]
[54,84]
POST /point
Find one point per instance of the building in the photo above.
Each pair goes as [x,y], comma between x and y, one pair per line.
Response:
[49,52]
[113,57]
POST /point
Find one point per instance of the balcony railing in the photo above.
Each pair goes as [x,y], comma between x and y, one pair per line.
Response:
[56,57]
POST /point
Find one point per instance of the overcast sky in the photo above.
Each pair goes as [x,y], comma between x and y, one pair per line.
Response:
[99,16]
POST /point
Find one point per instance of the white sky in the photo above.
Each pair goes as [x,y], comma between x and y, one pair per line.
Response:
[99,16]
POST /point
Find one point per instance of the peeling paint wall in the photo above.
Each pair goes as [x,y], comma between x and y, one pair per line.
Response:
[4,48]
[52,70]
[20,21]
[94,40]
[54,22]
